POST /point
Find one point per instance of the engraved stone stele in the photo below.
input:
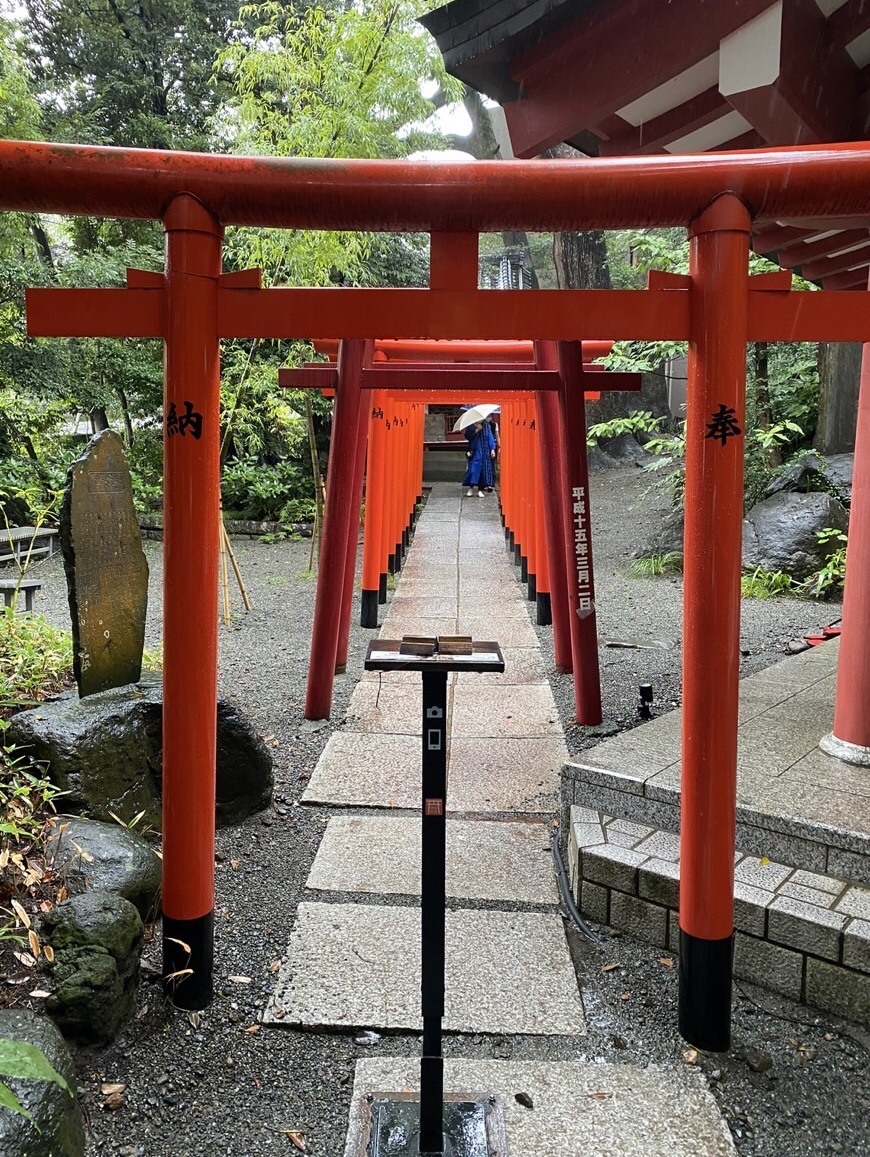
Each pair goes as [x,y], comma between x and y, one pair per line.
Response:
[106,568]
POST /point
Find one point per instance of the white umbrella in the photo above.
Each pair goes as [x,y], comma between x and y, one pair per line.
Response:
[475,414]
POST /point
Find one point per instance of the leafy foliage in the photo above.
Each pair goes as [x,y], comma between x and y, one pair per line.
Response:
[35,658]
[657,564]
[23,1060]
[829,579]
[766,584]
[638,422]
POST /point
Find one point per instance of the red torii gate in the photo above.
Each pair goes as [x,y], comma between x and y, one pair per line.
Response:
[457,372]
[717,308]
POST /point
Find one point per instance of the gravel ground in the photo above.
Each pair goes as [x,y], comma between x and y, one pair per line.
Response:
[206,1086]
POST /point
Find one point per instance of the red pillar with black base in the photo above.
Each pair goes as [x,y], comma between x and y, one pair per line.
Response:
[353,531]
[550,441]
[191,510]
[715,424]
[373,533]
[578,538]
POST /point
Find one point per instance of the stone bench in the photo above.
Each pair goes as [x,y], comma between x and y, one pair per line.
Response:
[19,543]
[9,588]
[800,933]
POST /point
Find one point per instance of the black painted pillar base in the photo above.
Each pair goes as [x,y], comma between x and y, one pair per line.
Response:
[391,564]
[518,554]
[368,614]
[188,961]
[399,556]
[531,593]
[705,992]
[524,569]
[544,608]
[406,540]
[382,588]
[510,541]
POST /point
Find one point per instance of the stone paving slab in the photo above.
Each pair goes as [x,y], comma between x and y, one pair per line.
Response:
[504,712]
[521,665]
[360,769]
[486,860]
[580,1108]
[387,709]
[512,775]
[354,966]
[357,769]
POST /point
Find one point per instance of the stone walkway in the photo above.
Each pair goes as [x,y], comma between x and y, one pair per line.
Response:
[354,957]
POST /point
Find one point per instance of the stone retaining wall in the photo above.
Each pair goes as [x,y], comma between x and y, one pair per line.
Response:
[799,933]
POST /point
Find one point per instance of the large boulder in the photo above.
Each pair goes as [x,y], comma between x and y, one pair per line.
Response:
[56,1129]
[839,469]
[88,854]
[625,449]
[801,474]
[97,938]
[105,752]
[779,534]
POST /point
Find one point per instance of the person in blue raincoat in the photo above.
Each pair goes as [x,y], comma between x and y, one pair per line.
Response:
[481,455]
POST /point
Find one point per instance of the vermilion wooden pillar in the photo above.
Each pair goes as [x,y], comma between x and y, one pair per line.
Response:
[373,561]
[337,520]
[578,540]
[191,511]
[353,528]
[550,441]
[542,577]
[715,422]
[850,739]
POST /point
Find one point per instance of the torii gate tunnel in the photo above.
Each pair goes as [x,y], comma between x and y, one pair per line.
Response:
[717,308]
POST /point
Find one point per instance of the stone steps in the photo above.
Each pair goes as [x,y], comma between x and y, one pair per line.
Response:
[801,933]
[812,845]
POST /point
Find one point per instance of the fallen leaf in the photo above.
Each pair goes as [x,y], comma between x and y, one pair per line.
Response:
[764,861]
[180,943]
[39,994]
[690,1056]
[240,979]
[610,967]
[195,1018]
[108,1089]
[234,864]
[599,1096]
[274,966]
[524,1099]
[667,961]
[252,1028]
[626,996]
[46,906]
[33,941]
[21,914]
[48,953]
[297,1139]
[24,958]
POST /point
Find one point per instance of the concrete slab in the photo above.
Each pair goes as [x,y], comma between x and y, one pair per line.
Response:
[513,775]
[353,966]
[504,712]
[486,860]
[362,770]
[578,1108]
[521,665]
[387,710]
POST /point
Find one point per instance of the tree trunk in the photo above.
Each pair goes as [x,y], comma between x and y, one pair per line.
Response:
[125,411]
[99,419]
[839,377]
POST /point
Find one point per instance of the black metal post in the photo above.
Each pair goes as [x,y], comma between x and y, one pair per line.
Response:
[432,908]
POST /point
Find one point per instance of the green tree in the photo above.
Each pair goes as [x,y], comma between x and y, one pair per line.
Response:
[128,72]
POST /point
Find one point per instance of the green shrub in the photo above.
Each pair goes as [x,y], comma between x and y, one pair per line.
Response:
[639,422]
[829,578]
[35,658]
[262,492]
[766,584]
[657,564]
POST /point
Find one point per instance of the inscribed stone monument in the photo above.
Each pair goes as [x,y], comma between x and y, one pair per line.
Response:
[106,568]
